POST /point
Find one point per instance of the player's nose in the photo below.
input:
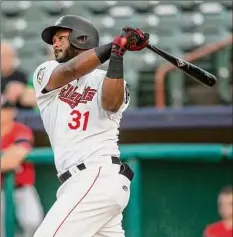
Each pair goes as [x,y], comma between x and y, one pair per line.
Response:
[56,43]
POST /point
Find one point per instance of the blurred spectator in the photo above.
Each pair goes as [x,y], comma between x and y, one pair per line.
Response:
[16,143]
[13,80]
[223,228]
[29,98]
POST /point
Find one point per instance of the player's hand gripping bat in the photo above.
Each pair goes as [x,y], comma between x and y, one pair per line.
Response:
[193,71]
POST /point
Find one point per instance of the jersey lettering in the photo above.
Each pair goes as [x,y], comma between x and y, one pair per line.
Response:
[70,96]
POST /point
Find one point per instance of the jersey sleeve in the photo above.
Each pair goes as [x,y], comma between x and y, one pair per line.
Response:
[24,137]
[41,78]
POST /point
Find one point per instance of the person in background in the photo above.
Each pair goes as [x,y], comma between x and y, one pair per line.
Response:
[29,97]
[16,143]
[13,80]
[223,228]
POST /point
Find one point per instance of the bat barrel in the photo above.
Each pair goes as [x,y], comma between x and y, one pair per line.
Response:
[191,70]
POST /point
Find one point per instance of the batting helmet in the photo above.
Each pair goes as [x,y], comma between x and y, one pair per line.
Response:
[79,26]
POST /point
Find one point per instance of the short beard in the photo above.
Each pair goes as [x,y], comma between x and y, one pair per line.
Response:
[69,53]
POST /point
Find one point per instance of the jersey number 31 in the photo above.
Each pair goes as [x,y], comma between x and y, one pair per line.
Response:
[79,120]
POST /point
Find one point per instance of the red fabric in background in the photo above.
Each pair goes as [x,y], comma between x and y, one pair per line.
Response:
[217,230]
[21,135]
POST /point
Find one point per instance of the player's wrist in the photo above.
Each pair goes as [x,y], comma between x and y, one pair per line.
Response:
[103,52]
[115,68]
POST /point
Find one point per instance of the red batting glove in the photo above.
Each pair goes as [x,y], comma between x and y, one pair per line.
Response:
[128,40]
[139,39]
[118,46]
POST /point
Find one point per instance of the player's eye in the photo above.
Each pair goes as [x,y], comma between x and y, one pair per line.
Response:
[62,37]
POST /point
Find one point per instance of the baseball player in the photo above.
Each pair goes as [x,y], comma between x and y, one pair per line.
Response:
[16,142]
[81,108]
[223,227]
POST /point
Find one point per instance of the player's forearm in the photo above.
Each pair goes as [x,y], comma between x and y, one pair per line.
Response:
[13,157]
[113,85]
[79,66]
[9,164]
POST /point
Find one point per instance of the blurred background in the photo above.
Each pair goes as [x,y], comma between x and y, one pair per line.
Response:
[177,133]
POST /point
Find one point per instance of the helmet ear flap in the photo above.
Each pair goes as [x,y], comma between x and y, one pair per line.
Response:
[80,40]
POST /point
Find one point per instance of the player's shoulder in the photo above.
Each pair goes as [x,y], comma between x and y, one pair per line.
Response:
[47,64]
[44,69]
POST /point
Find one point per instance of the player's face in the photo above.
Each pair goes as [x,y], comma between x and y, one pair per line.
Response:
[225,205]
[63,51]
[8,58]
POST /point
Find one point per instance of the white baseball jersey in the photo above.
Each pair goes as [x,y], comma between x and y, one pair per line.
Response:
[79,129]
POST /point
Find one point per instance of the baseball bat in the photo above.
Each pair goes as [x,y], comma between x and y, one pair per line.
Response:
[191,70]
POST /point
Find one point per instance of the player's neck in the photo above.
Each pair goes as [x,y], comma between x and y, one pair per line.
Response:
[227,223]
[6,128]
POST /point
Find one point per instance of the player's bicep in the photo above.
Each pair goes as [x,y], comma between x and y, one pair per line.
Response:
[18,151]
[123,106]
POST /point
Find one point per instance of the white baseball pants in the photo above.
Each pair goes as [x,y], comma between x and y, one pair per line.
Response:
[89,204]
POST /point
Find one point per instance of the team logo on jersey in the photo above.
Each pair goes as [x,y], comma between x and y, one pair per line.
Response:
[127,94]
[125,188]
[40,75]
[70,96]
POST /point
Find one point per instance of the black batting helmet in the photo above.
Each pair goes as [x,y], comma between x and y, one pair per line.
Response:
[79,26]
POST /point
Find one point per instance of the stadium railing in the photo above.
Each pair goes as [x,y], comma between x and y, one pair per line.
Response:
[162,72]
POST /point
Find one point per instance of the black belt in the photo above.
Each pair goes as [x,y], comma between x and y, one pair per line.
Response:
[124,170]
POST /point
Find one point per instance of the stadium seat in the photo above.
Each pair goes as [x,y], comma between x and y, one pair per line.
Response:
[78,8]
[97,7]
[29,65]
[34,13]
[121,11]
[191,40]
[111,24]
[14,8]
[190,20]
[169,43]
[13,26]
[169,19]
[187,6]
[227,4]
[214,15]
[31,48]
[56,8]
[104,23]
[34,29]
[138,6]
[214,25]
